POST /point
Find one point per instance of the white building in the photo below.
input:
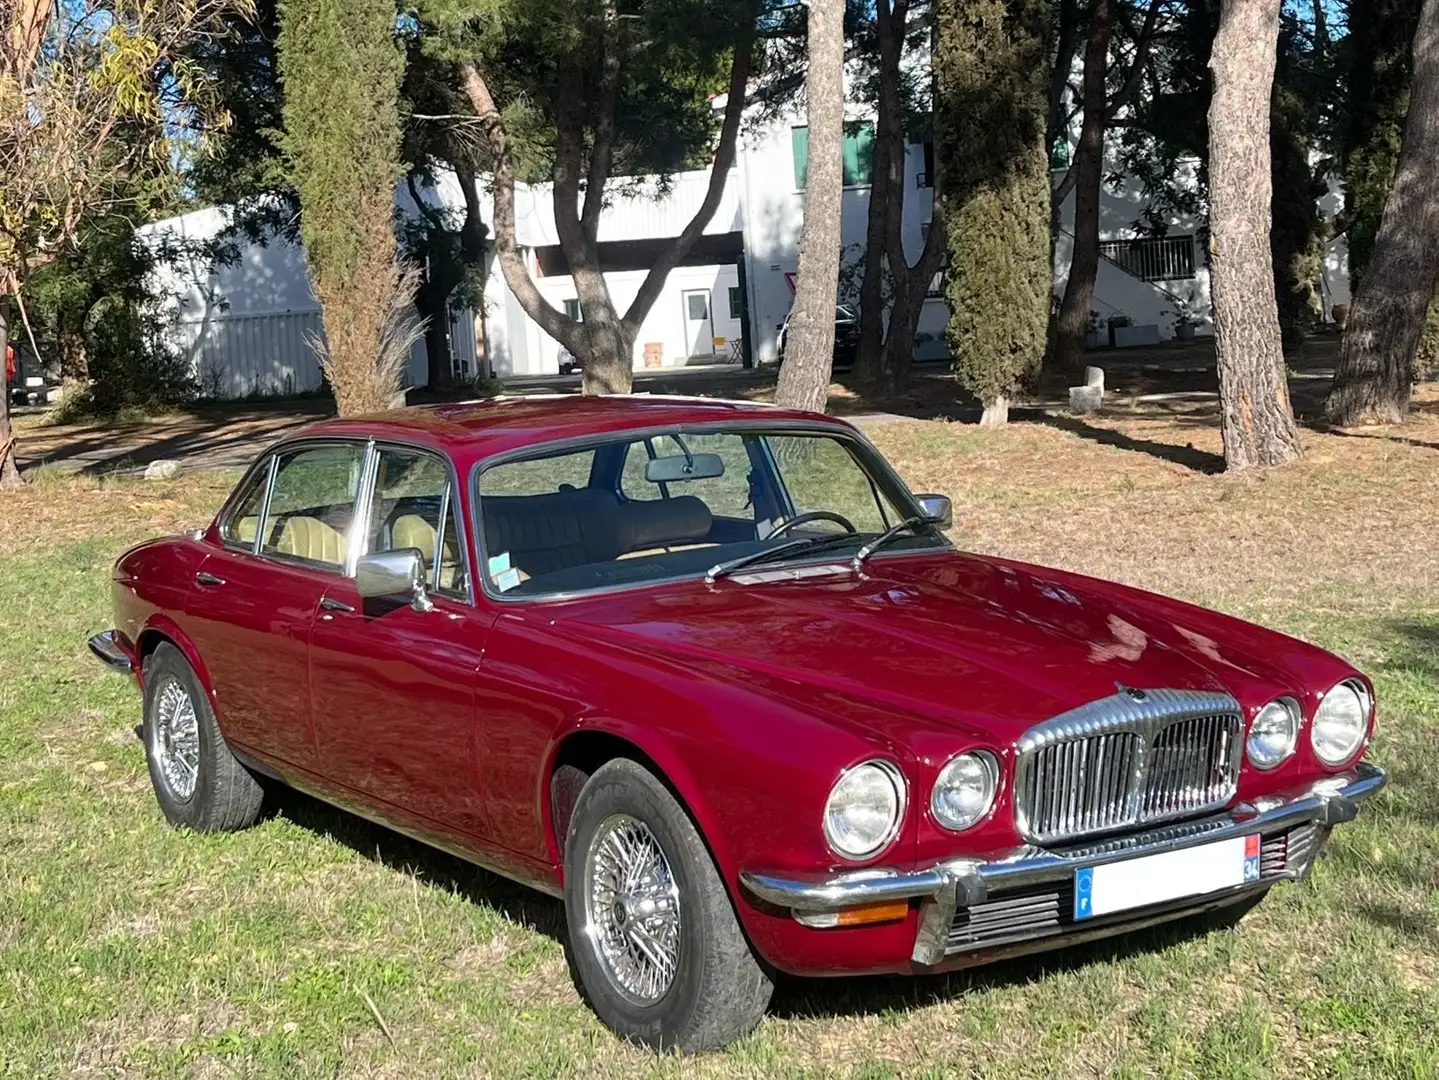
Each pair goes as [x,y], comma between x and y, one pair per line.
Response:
[245,326]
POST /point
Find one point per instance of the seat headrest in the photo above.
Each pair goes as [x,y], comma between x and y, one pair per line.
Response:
[662,522]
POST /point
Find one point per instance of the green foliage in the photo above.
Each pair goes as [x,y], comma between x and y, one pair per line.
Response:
[1381,37]
[544,61]
[991,125]
[342,67]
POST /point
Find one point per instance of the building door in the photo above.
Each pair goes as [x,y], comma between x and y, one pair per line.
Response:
[699,326]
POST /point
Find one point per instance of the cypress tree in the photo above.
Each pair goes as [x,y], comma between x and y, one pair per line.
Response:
[341,66]
[992,64]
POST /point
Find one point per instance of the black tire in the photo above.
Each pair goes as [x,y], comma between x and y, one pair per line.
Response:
[718,991]
[225,796]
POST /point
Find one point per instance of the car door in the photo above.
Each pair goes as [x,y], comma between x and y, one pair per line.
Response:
[283,543]
[392,688]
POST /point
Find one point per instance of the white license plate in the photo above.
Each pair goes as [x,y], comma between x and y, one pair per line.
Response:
[1170,875]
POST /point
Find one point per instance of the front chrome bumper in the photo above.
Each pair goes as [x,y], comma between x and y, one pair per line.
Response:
[108,651]
[951,886]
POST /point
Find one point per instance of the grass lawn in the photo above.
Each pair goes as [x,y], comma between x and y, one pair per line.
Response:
[316,945]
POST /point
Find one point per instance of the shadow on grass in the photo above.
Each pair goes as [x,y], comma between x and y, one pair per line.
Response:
[521,905]
[1201,461]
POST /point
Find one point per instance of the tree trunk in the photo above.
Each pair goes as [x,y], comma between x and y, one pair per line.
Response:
[1255,415]
[1089,178]
[1374,379]
[439,360]
[809,350]
[888,149]
[9,473]
[609,336]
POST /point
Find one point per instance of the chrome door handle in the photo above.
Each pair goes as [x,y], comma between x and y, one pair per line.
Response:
[336,605]
[208,580]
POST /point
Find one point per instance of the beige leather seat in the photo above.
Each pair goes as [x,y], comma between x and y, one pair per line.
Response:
[413,531]
[310,538]
[246,528]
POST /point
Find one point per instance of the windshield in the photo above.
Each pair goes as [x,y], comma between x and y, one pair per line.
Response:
[678,503]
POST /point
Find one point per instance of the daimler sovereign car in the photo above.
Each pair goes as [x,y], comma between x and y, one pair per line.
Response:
[713,675]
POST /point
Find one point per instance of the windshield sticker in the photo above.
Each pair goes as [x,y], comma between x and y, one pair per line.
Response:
[499,564]
[506,580]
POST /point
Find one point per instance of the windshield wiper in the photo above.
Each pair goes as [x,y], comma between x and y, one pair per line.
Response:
[754,558]
[890,535]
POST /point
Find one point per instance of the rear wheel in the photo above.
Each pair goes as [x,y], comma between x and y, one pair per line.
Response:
[654,943]
[198,783]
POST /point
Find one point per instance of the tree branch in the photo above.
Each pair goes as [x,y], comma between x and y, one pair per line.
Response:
[668,259]
[512,263]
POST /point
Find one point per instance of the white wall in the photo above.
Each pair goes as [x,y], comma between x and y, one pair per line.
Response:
[244,327]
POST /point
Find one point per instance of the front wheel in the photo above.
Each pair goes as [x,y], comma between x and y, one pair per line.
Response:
[654,943]
[198,783]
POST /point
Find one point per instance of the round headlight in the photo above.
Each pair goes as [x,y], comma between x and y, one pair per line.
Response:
[1340,723]
[964,790]
[1273,733]
[863,811]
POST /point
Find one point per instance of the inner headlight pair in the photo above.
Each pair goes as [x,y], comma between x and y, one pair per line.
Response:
[866,806]
[1336,733]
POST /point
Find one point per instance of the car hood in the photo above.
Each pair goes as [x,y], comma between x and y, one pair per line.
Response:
[963,641]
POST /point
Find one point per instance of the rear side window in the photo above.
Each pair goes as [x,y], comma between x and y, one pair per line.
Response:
[312,503]
[242,524]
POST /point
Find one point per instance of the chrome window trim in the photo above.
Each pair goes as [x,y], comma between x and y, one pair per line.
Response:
[1146,714]
[264,464]
[869,456]
[448,504]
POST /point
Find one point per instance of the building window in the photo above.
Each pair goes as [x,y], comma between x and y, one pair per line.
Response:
[736,303]
[858,154]
[1161,258]
[572,310]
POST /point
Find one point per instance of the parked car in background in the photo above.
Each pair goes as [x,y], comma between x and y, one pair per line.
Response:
[846,337]
[713,675]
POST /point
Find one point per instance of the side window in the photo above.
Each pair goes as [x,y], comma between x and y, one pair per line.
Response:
[726,496]
[820,474]
[243,522]
[313,503]
[539,476]
[413,506]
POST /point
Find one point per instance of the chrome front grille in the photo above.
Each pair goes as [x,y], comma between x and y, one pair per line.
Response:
[1133,759]
[1083,786]
[1189,765]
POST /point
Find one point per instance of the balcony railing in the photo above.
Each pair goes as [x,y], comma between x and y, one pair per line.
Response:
[1165,258]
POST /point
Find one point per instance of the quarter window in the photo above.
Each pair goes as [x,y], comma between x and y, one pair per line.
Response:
[242,524]
[313,503]
[413,506]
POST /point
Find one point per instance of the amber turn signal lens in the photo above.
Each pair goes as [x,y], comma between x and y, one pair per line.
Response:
[861,915]
[873,913]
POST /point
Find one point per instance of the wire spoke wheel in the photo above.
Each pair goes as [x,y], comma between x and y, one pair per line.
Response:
[175,739]
[632,909]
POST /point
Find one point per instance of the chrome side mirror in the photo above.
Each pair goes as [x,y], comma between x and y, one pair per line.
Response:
[938,507]
[394,573]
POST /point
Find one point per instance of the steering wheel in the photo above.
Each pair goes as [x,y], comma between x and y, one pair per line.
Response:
[812,515]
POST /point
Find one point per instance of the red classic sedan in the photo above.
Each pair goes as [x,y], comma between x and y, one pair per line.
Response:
[712,674]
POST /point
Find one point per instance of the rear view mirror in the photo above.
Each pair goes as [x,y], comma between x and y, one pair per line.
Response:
[394,573]
[669,470]
[938,507]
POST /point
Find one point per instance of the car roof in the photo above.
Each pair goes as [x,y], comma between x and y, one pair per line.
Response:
[482,428]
